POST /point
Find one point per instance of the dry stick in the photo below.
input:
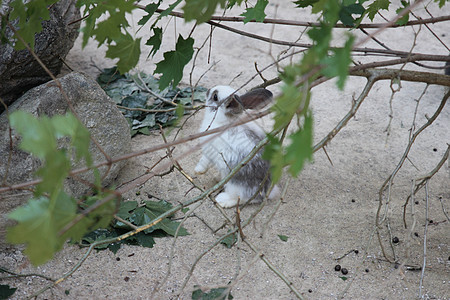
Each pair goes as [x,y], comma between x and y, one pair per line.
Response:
[356,49]
[159,218]
[365,70]
[305,45]
[258,254]
[424,241]
[147,110]
[432,32]
[443,209]
[289,283]
[63,93]
[370,82]
[424,179]
[413,76]
[309,24]
[15,275]
[388,181]
[147,150]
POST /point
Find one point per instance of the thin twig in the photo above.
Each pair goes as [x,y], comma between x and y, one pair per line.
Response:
[422,274]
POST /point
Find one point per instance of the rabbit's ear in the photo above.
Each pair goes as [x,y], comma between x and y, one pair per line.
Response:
[234,105]
[257,98]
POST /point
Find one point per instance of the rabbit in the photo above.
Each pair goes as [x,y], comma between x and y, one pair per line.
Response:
[223,107]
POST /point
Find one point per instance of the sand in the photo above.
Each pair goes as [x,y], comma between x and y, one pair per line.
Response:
[327,213]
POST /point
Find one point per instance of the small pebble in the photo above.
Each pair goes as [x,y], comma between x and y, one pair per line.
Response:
[395,240]
[344,271]
[337,267]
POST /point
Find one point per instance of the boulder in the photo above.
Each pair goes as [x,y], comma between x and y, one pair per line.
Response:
[19,71]
[95,110]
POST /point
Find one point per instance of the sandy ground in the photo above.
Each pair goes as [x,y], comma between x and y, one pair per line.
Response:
[327,212]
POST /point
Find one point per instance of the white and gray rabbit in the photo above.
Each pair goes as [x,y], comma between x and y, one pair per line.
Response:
[223,107]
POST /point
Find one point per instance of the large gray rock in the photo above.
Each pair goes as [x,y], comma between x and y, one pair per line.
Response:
[19,71]
[95,110]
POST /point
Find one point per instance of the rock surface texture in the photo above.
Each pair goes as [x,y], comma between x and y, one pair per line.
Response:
[19,71]
[95,110]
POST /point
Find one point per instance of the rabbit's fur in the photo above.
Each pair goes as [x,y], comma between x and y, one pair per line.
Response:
[223,107]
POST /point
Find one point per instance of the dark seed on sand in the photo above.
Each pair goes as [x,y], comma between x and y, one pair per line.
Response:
[337,267]
[395,240]
[344,271]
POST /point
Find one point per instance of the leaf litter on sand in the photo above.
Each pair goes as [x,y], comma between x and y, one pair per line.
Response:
[143,104]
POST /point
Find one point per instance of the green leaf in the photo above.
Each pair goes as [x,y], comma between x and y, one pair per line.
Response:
[284,238]
[256,13]
[376,6]
[273,152]
[321,36]
[125,208]
[153,210]
[145,240]
[110,28]
[109,75]
[68,125]
[53,173]
[30,20]
[173,64]
[171,7]
[37,135]
[230,240]
[300,149]
[287,105]
[343,278]
[213,294]
[201,10]
[127,50]
[338,64]
[6,291]
[441,2]
[150,9]
[155,41]
[346,13]
[305,3]
[39,223]
[403,20]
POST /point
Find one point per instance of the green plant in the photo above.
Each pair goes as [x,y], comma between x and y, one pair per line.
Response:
[54,211]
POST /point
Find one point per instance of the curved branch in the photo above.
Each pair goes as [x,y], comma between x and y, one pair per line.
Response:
[309,24]
[306,45]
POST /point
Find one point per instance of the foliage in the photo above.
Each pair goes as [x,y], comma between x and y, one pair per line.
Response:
[30,16]
[52,216]
[284,238]
[173,64]
[213,294]
[230,240]
[137,215]
[6,291]
[141,91]
[256,13]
